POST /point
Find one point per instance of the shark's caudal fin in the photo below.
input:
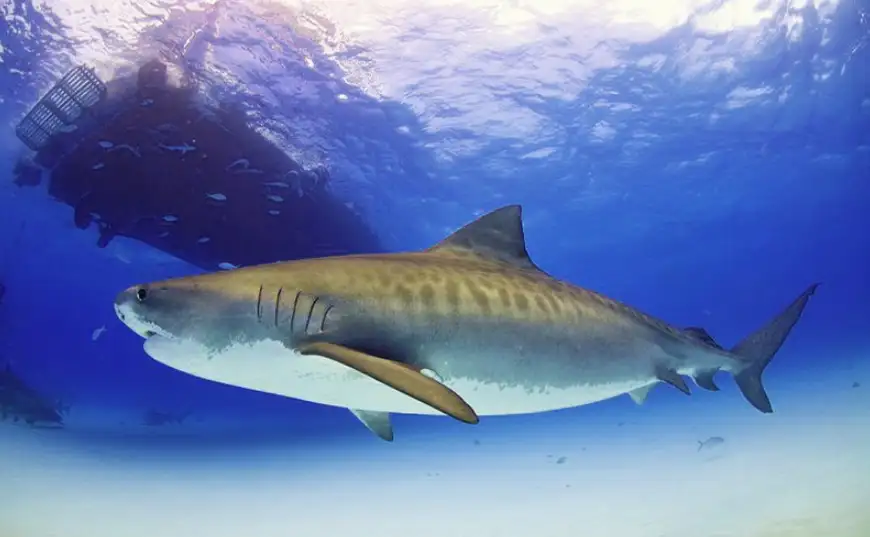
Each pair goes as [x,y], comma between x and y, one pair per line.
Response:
[760,347]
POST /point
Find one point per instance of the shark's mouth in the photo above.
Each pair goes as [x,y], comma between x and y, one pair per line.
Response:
[166,349]
[155,333]
[183,354]
[148,331]
[141,327]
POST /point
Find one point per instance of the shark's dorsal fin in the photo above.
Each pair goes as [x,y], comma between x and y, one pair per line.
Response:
[497,235]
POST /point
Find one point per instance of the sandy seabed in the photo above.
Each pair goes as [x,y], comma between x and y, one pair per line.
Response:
[801,472]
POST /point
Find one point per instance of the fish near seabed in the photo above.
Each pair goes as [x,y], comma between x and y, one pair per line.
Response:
[469,327]
[710,443]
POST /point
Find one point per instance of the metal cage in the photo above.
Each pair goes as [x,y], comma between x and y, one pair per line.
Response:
[77,91]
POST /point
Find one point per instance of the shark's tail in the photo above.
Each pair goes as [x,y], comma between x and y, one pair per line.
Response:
[759,348]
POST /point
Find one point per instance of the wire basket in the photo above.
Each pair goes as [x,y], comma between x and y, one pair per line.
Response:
[77,91]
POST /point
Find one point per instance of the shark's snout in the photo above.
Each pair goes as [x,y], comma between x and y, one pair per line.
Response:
[129,307]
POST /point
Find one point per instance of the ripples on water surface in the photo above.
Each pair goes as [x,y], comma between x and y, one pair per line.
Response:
[443,106]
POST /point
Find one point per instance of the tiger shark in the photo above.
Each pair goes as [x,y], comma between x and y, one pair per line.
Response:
[469,327]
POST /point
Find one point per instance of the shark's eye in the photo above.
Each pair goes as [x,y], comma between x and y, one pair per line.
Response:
[141,294]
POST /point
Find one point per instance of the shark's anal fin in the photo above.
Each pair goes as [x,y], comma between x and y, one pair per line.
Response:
[673,378]
[376,422]
[640,394]
[398,376]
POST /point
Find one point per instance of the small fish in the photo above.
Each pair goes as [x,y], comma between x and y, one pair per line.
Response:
[68,128]
[710,443]
[242,162]
[170,218]
[856,384]
[203,240]
[164,235]
[274,212]
[97,333]
[561,460]
[183,148]
[217,196]
[227,266]
[105,144]
[128,147]
[147,102]
[277,199]
[99,166]
[247,170]
[277,184]
[296,182]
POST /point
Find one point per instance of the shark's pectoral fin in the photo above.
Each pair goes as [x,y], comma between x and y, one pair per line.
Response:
[704,379]
[376,422]
[673,378]
[639,395]
[398,376]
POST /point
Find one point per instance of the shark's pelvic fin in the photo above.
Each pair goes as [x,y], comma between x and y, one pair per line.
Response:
[398,376]
[496,236]
[701,335]
[704,379]
[639,395]
[376,422]
[758,349]
[673,378]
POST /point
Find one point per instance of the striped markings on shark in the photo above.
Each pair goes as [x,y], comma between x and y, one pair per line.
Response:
[468,327]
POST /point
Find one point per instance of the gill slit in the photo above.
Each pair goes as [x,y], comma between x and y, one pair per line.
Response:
[278,304]
[260,304]
[323,320]
[310,313]
[293,312]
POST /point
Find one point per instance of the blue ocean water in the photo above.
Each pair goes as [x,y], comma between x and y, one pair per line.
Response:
[701,161]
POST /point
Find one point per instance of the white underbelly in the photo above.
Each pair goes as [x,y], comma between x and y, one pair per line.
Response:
[268,366]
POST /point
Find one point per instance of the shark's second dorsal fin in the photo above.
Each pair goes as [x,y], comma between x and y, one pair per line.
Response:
[497,235]
[699,334]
